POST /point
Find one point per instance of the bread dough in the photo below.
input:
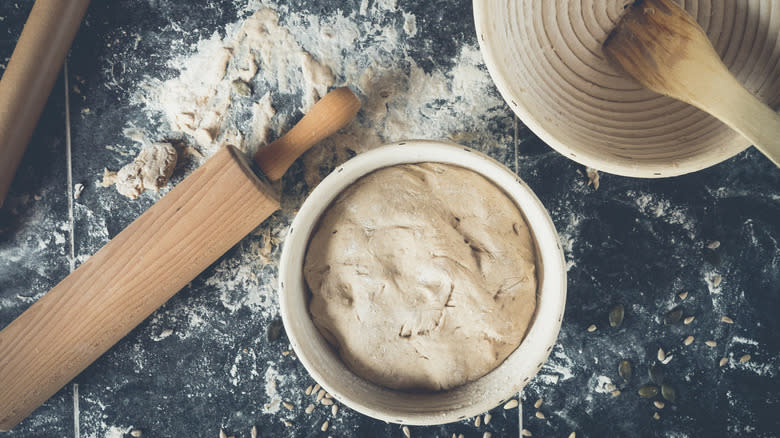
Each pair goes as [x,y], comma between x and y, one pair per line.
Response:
[422,276]
[150,170]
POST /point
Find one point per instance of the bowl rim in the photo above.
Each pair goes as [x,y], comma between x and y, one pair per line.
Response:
[524,363]
[613,165]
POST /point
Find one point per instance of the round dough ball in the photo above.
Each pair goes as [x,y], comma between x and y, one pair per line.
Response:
[422,276]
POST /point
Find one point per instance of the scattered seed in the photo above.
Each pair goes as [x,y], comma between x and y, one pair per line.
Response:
[136,433]
[668,392]
[656,416]
[727,320]
[656,374]
[592,328]
[648,391]
[573,435]
[711,343]
[487,435]
[683,295]
[488,417]
[659,404]
[688,340]
[328,395]
[253,433]
[624,370]
[744,358]
[540,415]
[316,388]
[673,316]
[241,88]
[407,434]
[287,423]
[222,434]
[320,394]
[713,245]
[615,393]
[286,353]
[526,432]
[616,316]
[326,424]
[327,401]
[661,355]
[723,361]
[309,409]
[688,319]
[308,390]
[538,404]
[478,421]
[716,280]
[667,359]
[287,406]
[610,387]
[460,435]
[334,410]
[511,404]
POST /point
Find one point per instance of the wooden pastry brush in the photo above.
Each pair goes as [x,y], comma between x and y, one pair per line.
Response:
[661,46]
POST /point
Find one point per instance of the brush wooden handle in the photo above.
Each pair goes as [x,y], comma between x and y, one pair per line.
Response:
[735,106]
[30,75]
[147,263]
[123,283]
[277,157]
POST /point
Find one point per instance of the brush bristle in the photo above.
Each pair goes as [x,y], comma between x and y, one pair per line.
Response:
[650,38]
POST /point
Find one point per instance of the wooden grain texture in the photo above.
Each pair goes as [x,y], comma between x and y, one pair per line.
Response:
[30,75]
[661,46]
[130,277]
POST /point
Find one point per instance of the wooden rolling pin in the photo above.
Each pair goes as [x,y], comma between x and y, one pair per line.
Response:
[663,48]
[30,75]
[149,261]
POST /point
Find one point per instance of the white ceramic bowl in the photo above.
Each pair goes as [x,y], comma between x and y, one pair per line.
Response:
[395,406]
[545,57]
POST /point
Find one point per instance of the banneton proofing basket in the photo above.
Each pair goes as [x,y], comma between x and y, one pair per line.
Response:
[545,57]
[470,399]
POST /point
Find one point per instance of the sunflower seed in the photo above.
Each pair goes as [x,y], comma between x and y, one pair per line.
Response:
[334,410]
[688,340]
[488,417]
[656,416]
[668,392]
[540,415]
[615,393]
[716,280]
[538,404]
[688,319]
[723,361]
[326,424]
[309,409]
[727,320]
[659,404]
[407,434]
[661,355]
[683,295]
[478,421]
[592,328]
[711,343]
[744,358]
[624,370]
[287,406]
[526,432]
[648,391]
[673,316]
[253,433]
[136,433]
[656,374]
[511,404]
[308,390]
[616,316]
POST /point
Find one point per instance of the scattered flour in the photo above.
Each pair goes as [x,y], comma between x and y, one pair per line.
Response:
[274,400]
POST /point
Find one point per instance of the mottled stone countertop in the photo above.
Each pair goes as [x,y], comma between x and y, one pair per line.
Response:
[213,358]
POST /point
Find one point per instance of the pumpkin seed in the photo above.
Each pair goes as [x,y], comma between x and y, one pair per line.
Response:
[673,316]
[656,374]
[668,392]
[648,391]
[616,316]
[624,370]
